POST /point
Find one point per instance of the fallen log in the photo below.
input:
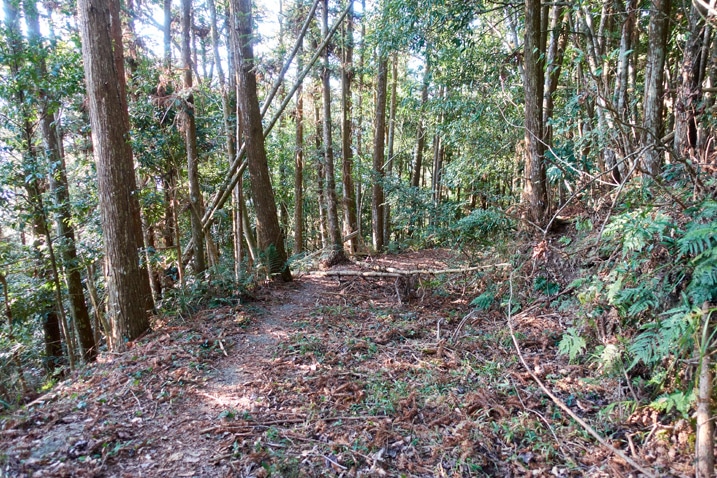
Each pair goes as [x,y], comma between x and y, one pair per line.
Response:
[393,272]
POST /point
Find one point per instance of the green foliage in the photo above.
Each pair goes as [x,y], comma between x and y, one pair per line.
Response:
[572,344]
[544,285]
[484,301]
[483,227]
[678,400]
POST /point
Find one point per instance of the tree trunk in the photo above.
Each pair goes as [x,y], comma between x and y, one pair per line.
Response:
[59,187]
[271,241]
[320,174]
[299,161]
[349,196]
[336,249]
[189,126]
[421,127]
[654,78]
[437,170]
[51,321]
[127,282]
[359,119]
[391,139]
[535,189]
[167,34]
[379,137]
[704,443]
[689,90]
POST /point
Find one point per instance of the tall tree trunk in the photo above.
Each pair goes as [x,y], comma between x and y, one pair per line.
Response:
[421,127]
[189,126]
[271,241]
[320,173]
[349,195]
[299,161]
[654,78]
[50,318]
[379,141]
[60,189]
[359,118]
[391,139]
[336,249]
[535,189]
[128,283]
[167,34]
[689,90]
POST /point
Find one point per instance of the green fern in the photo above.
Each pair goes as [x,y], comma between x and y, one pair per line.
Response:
[661,338]
[484,301]
[679,400]
[572,344]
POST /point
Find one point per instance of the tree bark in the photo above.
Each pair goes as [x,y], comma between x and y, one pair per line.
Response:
[704,443]
[269,236]
[335,245]
[535,189]
[379,141]
[349,195]
[299,161]
[421,127]
[128,283]
[189,126]
[689,89]
[391,139]
[654,79]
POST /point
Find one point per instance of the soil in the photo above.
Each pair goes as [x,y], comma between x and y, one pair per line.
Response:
[341,376]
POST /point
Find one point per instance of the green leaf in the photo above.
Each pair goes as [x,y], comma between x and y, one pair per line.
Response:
[572,344]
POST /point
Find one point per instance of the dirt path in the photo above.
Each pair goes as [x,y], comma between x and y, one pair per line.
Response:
[323,377]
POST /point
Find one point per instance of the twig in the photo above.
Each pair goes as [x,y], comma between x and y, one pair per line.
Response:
[559,402]
[461,324]
[545,420]
[221,345]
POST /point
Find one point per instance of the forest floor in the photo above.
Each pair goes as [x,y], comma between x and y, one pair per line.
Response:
[341,376]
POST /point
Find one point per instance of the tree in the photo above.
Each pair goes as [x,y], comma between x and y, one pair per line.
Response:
[379,154]
[336,250]
[654,79]
[269,235]
[349,194]
[535,191]
[60,188]
[130,295]
[189,125]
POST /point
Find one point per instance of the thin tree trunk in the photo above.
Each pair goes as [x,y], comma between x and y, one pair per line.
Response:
[167,34]
[654,79]
[59,187]
[421,127]
[535,189]
[51,323]
[320,174]
[704,443]
[391,139]
[359,118]
[689,90]
[271,241]
[379,141]
[189,126]
[299,162]
[336,253]
[349,195]
[128,283]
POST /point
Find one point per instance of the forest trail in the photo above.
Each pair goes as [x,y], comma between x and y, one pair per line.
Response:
[324,376]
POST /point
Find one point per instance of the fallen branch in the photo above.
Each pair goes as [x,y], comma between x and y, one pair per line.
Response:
[392,272]
[562,404]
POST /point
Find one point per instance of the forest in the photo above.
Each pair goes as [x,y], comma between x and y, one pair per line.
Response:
[358,238]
